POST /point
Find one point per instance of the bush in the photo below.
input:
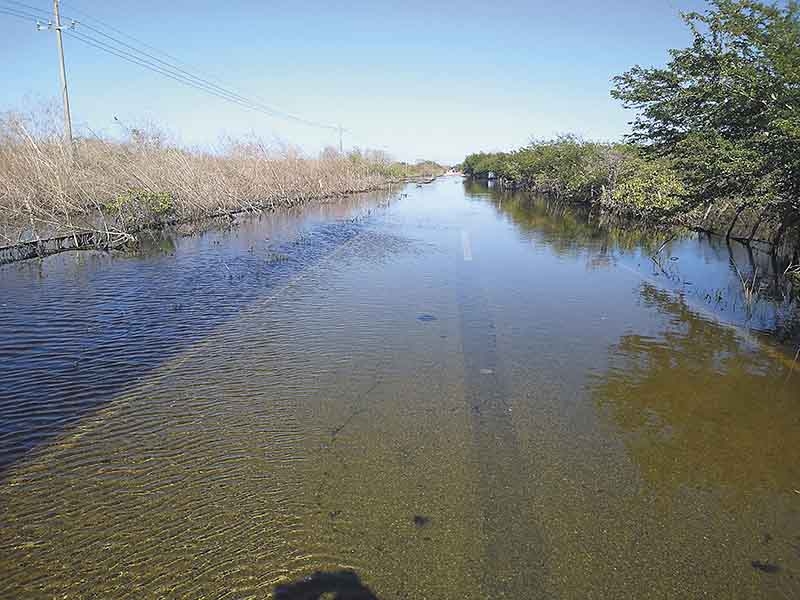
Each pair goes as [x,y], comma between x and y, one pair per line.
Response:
[141,206]
[646,188]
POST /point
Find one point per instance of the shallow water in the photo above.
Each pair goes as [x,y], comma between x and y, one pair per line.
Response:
[460,393]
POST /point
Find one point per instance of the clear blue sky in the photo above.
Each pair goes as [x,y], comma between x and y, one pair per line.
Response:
[422,79]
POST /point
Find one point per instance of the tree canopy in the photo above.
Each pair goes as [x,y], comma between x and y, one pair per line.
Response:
[717,127]
[726,109]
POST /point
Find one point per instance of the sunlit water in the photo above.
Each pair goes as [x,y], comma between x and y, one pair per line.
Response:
[456,394]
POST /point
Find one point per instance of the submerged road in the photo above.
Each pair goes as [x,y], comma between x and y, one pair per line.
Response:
[460,393]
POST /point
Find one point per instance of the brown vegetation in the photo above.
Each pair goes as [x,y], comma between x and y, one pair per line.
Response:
[111,189]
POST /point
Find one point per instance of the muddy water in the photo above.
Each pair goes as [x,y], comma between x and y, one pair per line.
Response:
[455,394]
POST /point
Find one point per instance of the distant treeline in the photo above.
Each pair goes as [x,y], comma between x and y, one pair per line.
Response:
[716,140]
[618,175]
[422,169]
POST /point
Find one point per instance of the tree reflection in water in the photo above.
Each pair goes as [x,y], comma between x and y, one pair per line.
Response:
[701,406]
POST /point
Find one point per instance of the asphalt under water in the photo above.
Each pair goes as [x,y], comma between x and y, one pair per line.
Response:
[458,393]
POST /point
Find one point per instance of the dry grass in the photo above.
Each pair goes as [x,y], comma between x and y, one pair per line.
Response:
[121,187]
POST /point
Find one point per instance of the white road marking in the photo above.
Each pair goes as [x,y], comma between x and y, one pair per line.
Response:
[465,245]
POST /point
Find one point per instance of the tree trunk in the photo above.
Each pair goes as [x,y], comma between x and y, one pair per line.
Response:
[756,226]
[739,212]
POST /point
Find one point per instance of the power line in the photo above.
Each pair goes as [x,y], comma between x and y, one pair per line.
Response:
[142,43]
[132,58]
[55,25]
[29,11]
[22,4]
[172,73]
[27,7]
[203,81]
[179,68]
[186,79]
[173,69]
[14,12]
[11,14]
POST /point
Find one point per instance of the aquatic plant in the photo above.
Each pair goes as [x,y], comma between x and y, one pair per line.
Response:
[646,188]
[751,287]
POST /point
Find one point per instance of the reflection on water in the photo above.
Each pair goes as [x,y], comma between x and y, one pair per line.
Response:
[463,394]
[567,229]
[714,275]
[701,406]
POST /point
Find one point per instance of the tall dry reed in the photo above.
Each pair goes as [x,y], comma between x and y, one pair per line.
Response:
[119,187]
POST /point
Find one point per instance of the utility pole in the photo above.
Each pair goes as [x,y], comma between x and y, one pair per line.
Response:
[341,147]
[63,71]
[56,25]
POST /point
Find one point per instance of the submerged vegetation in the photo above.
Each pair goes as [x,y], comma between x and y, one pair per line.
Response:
[716,141]
[101,192]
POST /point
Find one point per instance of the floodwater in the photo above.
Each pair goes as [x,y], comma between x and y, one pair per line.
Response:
[451,391]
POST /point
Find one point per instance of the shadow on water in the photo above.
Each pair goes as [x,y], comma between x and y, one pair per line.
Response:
[338,585]
[78,329]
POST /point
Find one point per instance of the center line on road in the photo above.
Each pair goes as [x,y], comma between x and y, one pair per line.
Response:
[465,245]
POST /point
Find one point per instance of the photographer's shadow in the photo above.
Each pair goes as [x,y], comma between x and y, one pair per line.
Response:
[340,585]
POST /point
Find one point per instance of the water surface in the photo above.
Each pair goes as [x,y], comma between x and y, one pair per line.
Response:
[460,393]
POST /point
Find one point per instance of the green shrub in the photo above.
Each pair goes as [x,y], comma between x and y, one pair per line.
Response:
[647,188]
[142,205]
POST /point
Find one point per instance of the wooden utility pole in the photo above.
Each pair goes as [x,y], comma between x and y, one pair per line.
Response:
[63,71]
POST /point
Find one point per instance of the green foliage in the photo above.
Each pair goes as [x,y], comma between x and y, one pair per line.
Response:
[726,109]
[719,123]
[566,167]
[575,170]
[142,204]
[480,165]
[401,170]
[646,188]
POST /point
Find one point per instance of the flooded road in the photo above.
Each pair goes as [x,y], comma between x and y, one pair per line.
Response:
[452,391]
